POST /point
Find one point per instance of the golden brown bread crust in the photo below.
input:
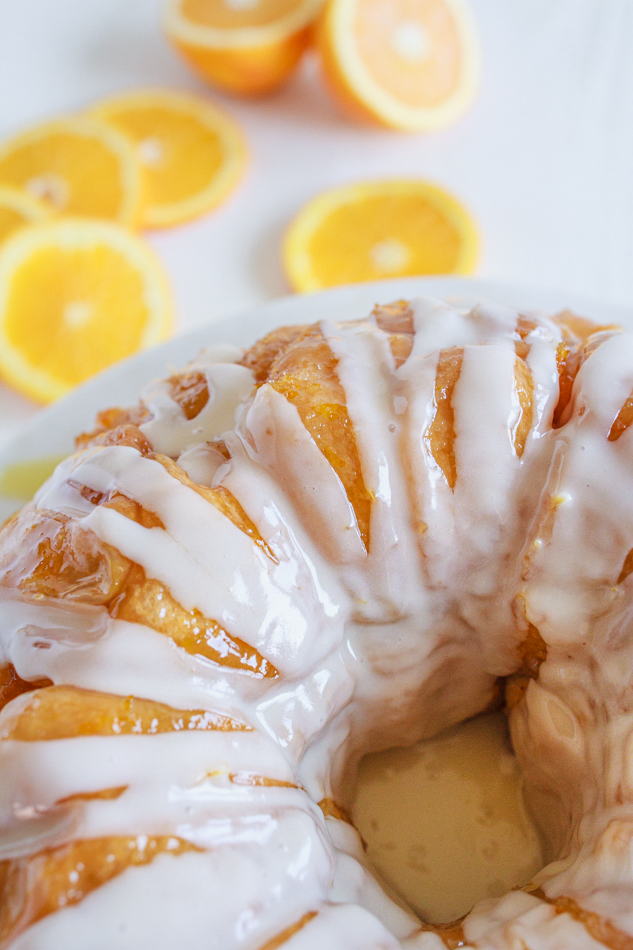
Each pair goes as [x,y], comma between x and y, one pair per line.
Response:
[45,554]
[66,712]
[261,356]
[12,686]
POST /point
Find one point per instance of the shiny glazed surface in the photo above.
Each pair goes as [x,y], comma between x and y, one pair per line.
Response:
[343,547]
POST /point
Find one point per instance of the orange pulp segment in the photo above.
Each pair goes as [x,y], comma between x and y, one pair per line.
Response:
[193,154]
[375,230]
[77,165]
[408,64]
[76,295]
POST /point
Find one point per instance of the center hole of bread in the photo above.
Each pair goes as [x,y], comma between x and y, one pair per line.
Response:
[444,820]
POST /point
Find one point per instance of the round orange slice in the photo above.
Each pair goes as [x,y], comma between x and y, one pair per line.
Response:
[408,64]
[193,154]
[246,46]
[375,230]
[75,296]
[77,165]
[18,208]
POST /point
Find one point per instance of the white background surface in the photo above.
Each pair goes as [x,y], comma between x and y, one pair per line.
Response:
[544,159]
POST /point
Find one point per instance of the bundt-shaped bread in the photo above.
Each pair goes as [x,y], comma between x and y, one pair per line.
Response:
[348,538]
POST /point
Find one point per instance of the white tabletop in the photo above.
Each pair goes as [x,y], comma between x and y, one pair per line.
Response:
[544,159]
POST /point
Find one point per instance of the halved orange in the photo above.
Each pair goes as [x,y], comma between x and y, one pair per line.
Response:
[379,229]
[245,46]
[77,165]
[75,296]
[408,64]
[193,154]
[18,208]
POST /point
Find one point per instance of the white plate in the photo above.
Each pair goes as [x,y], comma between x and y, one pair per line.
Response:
[52,431]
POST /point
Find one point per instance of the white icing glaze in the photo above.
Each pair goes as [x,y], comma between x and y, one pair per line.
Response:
[373,649]
[229,385]
[291,857]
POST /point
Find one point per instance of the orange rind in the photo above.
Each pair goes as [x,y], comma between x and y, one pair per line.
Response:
[249,49]
[18,208]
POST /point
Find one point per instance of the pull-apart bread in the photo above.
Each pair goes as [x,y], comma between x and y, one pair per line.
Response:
[350,537]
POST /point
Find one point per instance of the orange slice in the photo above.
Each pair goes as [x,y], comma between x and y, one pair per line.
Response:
[245,46]
[18,208]
[77,165]
[375,230]
[75,296]
[408,64]
[193,154]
